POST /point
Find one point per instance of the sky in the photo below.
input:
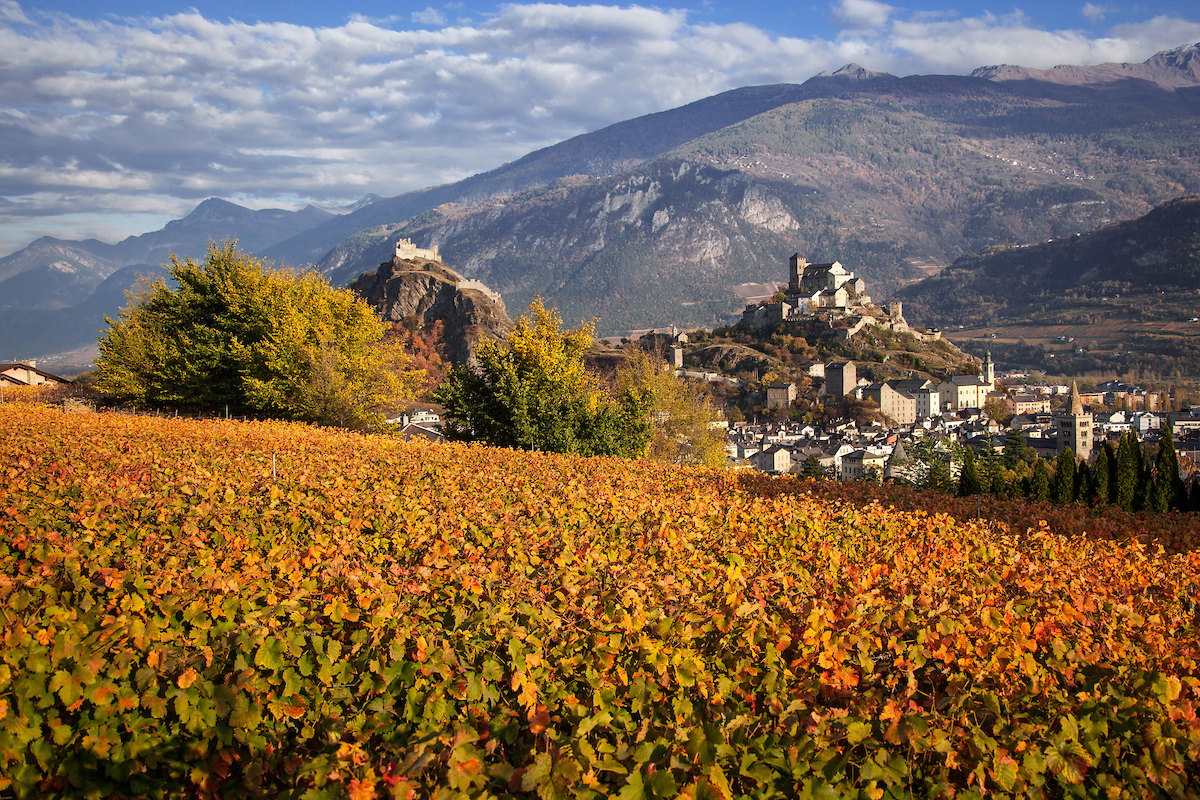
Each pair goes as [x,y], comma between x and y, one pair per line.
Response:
[118,116]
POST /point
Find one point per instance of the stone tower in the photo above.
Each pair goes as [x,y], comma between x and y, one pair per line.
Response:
[1075,426]
[796,265]
[989,371]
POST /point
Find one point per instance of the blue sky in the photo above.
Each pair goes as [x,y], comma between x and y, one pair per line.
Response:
[118,116]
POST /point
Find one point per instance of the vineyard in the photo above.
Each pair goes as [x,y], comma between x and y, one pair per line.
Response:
[223,609]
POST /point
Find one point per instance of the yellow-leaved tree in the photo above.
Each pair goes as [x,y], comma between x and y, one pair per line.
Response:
[685,426]
[535,392]
[236,335]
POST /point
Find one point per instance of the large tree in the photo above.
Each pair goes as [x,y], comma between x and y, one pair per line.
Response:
[534,392]
[235,335]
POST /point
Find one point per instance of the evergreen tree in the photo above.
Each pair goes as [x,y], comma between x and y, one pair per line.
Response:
[1127,472]
[813,468]
[968,477]
[999,486]
[1103,475]
[1168,491]
[1039,484]
[1064,477]
[1194,494]
[987,465]
[1016,449]
[1145,479]
[1083,482]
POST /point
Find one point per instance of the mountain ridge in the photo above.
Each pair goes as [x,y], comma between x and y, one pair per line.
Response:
[877,171]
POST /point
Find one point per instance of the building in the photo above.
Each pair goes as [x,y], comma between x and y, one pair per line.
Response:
[968,391]
[405,249]
[1028,403]
[898,405]
[775,460]
[826,285]
[781,394]
[859,464]
[840,378]
[26,373]
[923,391]
[1075,427]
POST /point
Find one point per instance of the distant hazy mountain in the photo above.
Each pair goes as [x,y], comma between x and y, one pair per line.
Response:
[1121,299]
[51,273]
[26,333]
[1151,254]
[1167,81]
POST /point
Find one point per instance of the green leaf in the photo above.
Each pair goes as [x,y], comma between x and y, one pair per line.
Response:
[857,731]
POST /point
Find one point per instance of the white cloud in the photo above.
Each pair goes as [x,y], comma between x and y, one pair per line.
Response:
[181,107]
[430,16]
[859,15]
[1094,12]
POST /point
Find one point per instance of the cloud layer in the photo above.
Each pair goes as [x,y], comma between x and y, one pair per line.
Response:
[133,116]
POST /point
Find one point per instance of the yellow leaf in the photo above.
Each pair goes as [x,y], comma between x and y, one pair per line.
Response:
[187,678]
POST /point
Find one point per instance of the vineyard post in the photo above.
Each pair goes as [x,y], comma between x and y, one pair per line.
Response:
[272,466]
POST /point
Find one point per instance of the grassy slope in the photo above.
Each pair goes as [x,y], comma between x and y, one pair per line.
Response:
[254,609]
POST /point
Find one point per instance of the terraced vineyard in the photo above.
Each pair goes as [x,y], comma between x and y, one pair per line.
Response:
[194,609]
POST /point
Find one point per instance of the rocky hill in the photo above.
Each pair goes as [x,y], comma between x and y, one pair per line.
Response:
[432,292]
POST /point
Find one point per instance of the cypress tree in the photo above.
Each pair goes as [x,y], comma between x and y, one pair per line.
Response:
[1039,484]
[1145,478]
[968,477]
[1102,476]
[1168,491]
[1064,477]
[1083,482]
[999,486]
[813,468]
[1194,494]
[987,465]
[1127,472]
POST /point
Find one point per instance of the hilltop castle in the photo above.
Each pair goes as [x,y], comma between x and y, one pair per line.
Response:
[405,249]
[833,293]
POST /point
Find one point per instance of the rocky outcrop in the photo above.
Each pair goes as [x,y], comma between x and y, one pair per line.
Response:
[470,312]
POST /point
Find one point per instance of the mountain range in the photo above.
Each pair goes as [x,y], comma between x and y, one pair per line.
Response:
[662,219]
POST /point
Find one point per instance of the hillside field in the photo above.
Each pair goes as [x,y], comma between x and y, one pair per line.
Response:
[213,608]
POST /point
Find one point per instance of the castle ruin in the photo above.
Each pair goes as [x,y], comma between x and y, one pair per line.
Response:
[405,249]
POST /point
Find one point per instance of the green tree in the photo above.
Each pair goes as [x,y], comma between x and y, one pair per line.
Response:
[535,393]
[1103,475]
[1128,472]
[683,420]
[236,335]
[988,464]
[1039,484]
[1016,450]
[1168,490]
[1065,474]
[968,477]
[813,468]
